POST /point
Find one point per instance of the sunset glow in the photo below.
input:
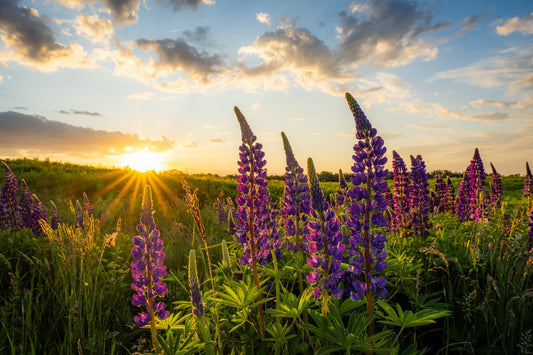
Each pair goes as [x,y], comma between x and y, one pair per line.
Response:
[143,161]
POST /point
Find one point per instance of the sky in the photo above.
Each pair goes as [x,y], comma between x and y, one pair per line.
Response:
[109,82]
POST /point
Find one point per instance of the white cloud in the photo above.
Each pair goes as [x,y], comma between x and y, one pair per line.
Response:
[93,28]
[516,24]
[263,18]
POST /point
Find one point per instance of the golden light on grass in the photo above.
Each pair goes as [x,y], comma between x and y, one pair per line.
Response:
[143,161]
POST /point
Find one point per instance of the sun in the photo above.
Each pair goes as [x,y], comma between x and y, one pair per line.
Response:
[143,161]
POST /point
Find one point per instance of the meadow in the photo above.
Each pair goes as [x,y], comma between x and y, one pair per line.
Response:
[400,262]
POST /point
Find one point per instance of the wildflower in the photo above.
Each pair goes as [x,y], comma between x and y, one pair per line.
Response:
[252,199]
[87,206]
[528,182]
[38,212]
[400,220]
[449,203]
[477,203]
[9,208]
[461,205]
[296,200]
[25,204]
[496,190]
[194,285]
[147,266]
[79,215]
[419,197]
[440,195]
[530,234]
[56,218]
[367,242]
[325,247]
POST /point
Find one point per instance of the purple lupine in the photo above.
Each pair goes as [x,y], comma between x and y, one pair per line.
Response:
[367,242]
[341,197]
[194,286]
[528,182]
[147,266]
[87,206]
[252,199]
[530,234]
[79,215]
[38,212]
[296,201]
[449,203]
[496,190]
[25,203]
[400,219]
[325,247]
[419,197]
[9,207]
[440,195]
[477,203]
[56,218]
[461,203]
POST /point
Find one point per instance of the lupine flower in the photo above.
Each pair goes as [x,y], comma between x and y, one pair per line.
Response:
[38,212]
[252,199]
[296,201]
[530,234]
[79,215]
[194,285]
[477,204]
[56,219]
[147,266]
[440,195]
[367,242]
[325,247]
[461,204]
[419,197]
[449,204]
[87,206]
[9,208]
[400,220]
[528,182]
[496,190]
[341,196]
[25,204]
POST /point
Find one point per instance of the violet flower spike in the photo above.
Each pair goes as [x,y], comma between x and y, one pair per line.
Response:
[461,204]
[25,204]
[252,199]
[56,218]
[477,204]
[367,220]
[496,190]
[325,247]
[530,234]
[440,195]
[419,197]
[449,203]
[194,286]
[400,220]
[147,266]
[296,201]
[38,212]
[9,208]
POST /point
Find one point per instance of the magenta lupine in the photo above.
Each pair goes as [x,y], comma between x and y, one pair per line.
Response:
[449,203]
[400,219]
[496,190]
[528,182]
[367,242]
[38,212]
[56,218]
[147,267]
[461,203]
[477,203]
[440,195]
[25,203]
[419,197]
[325,247]
[252,199]
[296,201]
[9,208]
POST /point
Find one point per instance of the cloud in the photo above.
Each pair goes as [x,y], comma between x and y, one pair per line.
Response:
[124,12]
[263,18]
[83,113]
[93,28]
[189,145]
[469,24]
[20,133]
[516,24]
[256,106]
[490,116]
[30,41]
[178,55]
[200,35]
[141,95]
[217,140]
[178,5]
[499,104]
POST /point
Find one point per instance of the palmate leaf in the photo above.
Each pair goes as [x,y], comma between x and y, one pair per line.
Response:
[240,295]
[409,319]
[292,306]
